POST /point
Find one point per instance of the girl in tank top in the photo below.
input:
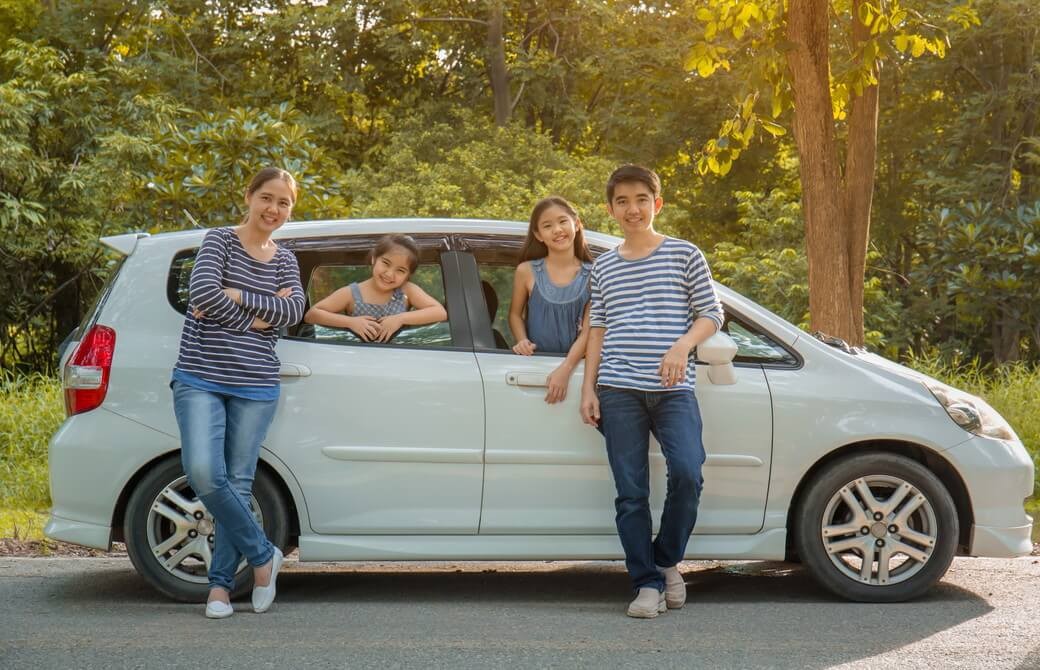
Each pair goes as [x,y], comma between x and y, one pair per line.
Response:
[549,312]
[376,308]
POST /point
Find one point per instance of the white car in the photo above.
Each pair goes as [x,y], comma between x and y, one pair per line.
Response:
[439,445]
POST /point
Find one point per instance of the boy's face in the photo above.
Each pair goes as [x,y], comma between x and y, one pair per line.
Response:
[634,207]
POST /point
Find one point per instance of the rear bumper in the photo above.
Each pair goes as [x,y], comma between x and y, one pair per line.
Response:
[92,458]
[79,532]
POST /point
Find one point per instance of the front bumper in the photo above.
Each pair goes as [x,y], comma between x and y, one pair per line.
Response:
[999,477]
[1002,542]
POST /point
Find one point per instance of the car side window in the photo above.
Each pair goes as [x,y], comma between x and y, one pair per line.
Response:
[496,261]
[178,279]
[754,346]
[328,277]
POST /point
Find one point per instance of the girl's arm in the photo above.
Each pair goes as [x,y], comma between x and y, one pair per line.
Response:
[522,279]
[206,291]
[329,312]
[427,310]
[560,378]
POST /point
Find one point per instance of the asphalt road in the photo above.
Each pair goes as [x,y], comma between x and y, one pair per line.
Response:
[97,613]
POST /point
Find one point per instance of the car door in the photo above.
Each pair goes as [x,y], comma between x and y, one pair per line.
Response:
[547,472]
[383,438]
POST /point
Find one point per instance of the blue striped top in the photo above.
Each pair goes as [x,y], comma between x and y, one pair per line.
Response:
[645,305]
[221,346]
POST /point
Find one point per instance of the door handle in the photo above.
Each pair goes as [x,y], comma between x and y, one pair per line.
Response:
[294,370]
[527,379]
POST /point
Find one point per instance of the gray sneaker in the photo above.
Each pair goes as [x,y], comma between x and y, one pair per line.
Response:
[674,587]
[648,603]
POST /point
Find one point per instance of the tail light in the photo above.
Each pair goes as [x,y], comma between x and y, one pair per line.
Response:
[88,369]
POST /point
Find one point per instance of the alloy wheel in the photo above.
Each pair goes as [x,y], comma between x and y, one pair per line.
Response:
[879,530]
[180,532]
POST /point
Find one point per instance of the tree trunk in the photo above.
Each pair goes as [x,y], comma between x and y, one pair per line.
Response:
[860,164]
[498,73]
[826,239]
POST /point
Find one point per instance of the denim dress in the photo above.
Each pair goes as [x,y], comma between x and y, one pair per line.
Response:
[554,312]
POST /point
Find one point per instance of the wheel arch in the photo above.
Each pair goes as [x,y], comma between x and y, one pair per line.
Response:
[119,512]
[927,457]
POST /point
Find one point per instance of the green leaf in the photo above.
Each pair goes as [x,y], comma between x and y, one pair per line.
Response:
[774,129]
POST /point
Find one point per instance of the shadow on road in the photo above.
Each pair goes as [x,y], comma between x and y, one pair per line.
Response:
[737,613]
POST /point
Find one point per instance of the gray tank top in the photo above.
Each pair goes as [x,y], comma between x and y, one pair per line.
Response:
[361,308]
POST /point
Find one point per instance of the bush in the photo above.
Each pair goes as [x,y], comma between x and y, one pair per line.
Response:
[31,409]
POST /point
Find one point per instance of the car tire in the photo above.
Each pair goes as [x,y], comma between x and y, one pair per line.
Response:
[168,544]
[883,506]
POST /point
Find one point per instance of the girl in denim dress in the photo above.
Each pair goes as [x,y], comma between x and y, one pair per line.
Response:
[549,311]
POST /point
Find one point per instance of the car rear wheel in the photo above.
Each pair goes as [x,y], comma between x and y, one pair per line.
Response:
[169,532]
[877,528]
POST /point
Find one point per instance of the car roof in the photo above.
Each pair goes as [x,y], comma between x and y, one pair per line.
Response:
[419,226]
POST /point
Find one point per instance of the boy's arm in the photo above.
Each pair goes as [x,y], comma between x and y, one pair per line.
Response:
[704,303]
[593,352]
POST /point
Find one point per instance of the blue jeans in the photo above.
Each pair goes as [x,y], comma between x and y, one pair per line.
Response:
[628,417]
[220,445]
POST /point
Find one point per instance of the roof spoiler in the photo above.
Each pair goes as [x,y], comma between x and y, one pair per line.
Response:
[124,244]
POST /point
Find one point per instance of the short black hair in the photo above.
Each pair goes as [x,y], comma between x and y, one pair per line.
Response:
[633,173]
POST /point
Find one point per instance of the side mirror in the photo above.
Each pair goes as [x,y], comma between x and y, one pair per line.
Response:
[718,352]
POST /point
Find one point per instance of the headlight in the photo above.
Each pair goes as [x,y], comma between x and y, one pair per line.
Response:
[971,413]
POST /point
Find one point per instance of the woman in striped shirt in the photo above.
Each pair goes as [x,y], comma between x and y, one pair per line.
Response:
[225,384]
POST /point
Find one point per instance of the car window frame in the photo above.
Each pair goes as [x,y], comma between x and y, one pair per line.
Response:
[471,243]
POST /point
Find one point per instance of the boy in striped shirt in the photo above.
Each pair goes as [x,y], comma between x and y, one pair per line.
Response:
[653,302]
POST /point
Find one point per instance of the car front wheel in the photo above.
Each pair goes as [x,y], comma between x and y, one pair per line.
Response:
[169,532]
[877,527]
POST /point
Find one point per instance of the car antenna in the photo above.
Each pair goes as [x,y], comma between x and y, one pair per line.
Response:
[195,222]
[191,218]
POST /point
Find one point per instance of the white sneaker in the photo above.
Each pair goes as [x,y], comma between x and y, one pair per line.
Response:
[674,587]
[217,609]
[648,603]
[263,596]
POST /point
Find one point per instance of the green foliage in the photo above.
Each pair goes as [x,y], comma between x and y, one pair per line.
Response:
[977,285]
[464,167]
[749,38]
[203,168]
[69,138]
[767,263]
[31,409]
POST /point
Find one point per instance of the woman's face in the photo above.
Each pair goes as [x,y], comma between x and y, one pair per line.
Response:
[269,206]
[556,229]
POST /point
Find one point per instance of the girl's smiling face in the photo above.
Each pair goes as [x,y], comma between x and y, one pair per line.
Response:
[556,229]
[390,270]
[270,205]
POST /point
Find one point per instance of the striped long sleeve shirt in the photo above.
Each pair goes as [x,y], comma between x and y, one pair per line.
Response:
[645,305]
[221,346]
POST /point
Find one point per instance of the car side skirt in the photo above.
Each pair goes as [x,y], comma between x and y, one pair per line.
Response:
[767,545]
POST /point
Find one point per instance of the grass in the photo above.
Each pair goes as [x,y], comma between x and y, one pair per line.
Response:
[31,409]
